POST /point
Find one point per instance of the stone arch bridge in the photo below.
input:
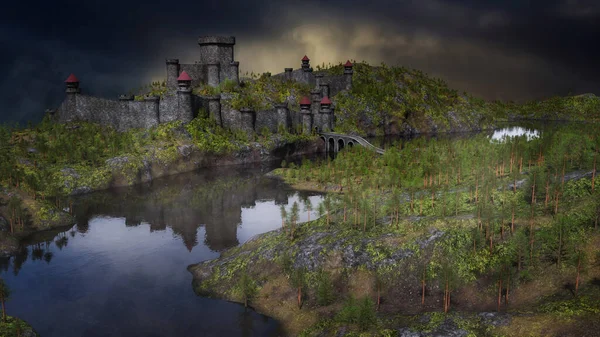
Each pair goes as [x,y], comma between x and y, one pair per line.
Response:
[334,142]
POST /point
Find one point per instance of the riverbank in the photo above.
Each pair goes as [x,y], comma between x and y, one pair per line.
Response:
[381,264]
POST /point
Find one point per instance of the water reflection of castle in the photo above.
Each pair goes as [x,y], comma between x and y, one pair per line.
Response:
[185,203]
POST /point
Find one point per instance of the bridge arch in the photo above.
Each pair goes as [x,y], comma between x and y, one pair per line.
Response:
[331,145]
[340,144]
[350,143]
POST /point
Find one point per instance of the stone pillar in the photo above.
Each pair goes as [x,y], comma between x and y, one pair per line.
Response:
[288,73]
[214,108]
[235,72]
[283,116]
[324,89]
[306,115]
[172,73]
[248,119]
[185,111]
[212,74]
[348,74]
[151,104]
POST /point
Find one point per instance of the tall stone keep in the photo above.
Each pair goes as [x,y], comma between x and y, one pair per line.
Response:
[172,73]
[185,111]
[219,50]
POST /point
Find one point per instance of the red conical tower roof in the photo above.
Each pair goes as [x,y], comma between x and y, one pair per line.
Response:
[325,100]
[305,101]
[71,79]
[184,77]
[305,58]
[348,64]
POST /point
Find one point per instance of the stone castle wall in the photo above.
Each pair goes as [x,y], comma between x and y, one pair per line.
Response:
[216,65]
[120,114]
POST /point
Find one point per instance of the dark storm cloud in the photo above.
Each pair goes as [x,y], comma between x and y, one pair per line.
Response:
[494,49]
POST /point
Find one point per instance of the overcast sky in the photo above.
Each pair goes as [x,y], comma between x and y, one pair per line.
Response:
[513,49]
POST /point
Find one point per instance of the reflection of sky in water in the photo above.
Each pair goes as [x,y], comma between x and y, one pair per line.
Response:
[116,280]
[502,134]
[261,218]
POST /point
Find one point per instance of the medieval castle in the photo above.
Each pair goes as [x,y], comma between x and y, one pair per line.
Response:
[216,65]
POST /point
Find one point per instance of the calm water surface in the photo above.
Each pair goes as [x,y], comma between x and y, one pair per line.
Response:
[121,270]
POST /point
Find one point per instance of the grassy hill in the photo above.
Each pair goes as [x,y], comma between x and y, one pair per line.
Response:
[397,100]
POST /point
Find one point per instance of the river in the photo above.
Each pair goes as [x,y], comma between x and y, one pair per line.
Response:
[121,270]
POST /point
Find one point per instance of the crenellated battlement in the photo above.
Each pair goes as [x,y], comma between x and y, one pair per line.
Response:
[215,65]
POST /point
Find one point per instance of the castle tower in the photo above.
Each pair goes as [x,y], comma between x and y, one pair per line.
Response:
[306,115]
[305,63]
[185,112]
[69,106]
[306,70]
[348,74]
[325,114]
[219,50]
[172,73]
[72,84]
